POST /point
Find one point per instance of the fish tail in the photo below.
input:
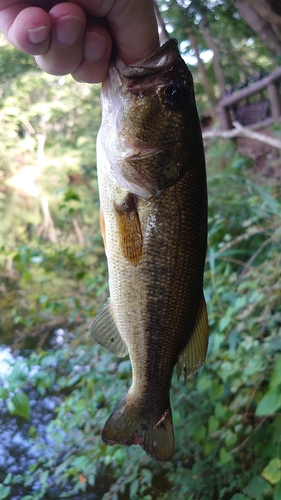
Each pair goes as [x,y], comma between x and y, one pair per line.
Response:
[131,424]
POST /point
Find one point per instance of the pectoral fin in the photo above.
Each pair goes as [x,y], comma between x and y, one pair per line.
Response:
[105,332]
[129,229]
[194,354]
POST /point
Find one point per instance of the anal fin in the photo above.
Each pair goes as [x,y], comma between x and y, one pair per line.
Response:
[105,331]
[193,355]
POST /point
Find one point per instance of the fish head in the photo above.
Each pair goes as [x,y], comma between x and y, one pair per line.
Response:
[149,119]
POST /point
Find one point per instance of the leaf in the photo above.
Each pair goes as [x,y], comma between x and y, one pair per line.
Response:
[49,361]
[4,491]
[272,472]
[4,393]
[119,456]
[203,383]
[239,496]
[269,404]
[224,456]
[256,488]
[44,477]
[147,476]
[277,493]
[220,410]
[230,438]
[81,462]
[216,389]
[275,380]
[224,322]
[74,379]
[134,486]
[199,433]
[213,423]
[208,447]
[71,195]
[8,479]
[21,405]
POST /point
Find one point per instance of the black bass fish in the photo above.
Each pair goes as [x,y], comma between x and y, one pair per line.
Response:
[153,196]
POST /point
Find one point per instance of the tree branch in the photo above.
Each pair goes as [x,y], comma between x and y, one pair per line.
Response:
[239,130]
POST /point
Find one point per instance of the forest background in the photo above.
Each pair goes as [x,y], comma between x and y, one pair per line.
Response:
[53,280]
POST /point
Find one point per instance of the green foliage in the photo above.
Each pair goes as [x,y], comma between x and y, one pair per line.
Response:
[13,63]
[272,472]
[53,275]
[242,54]
[227,424]
[20,405]
[4,491]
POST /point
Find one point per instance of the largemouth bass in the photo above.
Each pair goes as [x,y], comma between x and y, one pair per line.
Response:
[152,183]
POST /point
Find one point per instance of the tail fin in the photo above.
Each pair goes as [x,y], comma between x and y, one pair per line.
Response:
[131,424]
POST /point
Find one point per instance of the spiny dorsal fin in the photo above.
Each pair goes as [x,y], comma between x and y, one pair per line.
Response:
[105,332]
[193,355]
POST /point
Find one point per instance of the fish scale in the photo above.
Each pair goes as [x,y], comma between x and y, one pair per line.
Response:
[152,185]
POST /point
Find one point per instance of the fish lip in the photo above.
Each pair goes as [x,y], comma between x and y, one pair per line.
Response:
[156,63]
[153,65]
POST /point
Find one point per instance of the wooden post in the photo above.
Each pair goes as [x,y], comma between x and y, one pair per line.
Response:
[275,102]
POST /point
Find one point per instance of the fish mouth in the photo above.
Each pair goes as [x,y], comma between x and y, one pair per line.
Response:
[158,62]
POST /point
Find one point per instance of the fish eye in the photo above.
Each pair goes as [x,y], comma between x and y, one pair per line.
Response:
[175,97]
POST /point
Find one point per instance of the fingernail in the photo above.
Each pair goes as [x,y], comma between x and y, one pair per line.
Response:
[68,29]
[38,35]
[95,46]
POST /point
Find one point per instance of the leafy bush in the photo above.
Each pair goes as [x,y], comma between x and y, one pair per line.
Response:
[227,418]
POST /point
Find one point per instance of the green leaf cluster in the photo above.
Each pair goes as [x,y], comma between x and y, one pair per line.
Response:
[242,54]
[227,418]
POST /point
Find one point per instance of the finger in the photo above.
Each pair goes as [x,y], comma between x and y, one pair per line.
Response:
[64,54]
[97,47]
[132,24]
[134,29]
[27,29]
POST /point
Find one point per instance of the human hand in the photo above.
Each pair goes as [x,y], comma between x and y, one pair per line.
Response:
[76,37]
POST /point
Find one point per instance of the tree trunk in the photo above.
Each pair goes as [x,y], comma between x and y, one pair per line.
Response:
[206,32]
[258,24]
[201,68]
[47,229]
[270,10]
